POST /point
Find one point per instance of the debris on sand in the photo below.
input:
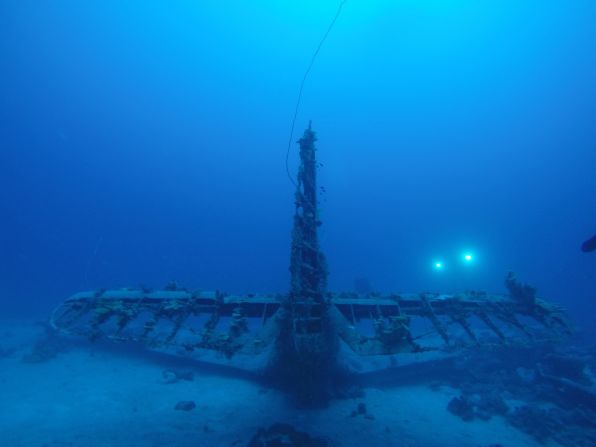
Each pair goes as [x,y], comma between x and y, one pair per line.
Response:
[361,411]
[185,405]
[284,435]
[173,375]
[47,346]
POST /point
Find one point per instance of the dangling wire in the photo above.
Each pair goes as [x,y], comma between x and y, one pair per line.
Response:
[91,259]
[312,61]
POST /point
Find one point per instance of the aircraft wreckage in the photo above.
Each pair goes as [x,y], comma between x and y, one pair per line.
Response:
[304,336]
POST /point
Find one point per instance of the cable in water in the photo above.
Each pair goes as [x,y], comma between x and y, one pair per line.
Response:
[91,258]
[312,61]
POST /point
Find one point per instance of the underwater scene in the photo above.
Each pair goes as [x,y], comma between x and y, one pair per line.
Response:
[298,223]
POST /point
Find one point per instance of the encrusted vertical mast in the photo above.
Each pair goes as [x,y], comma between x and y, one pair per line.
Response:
[307,343]
[307,262]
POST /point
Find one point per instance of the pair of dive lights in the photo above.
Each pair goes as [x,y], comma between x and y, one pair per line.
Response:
[467,258]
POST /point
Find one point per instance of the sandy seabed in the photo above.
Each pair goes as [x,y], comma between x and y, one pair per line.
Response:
[91,395]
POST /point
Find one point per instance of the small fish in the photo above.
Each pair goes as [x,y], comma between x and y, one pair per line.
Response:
[589,245]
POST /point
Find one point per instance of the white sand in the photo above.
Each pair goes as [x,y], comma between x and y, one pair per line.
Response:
[97,397]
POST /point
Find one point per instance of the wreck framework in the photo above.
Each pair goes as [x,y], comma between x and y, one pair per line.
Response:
[303,332]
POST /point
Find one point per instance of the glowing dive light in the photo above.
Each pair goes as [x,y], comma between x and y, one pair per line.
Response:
[438,265]
[468,258]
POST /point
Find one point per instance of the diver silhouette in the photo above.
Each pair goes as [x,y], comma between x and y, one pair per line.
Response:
[589,245]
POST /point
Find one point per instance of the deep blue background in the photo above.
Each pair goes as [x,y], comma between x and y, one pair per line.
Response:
[145,141]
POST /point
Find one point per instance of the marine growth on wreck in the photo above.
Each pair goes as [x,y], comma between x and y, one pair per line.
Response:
[302,338]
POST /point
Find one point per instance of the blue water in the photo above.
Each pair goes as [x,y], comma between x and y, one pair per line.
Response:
[145,141]
[142,142]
